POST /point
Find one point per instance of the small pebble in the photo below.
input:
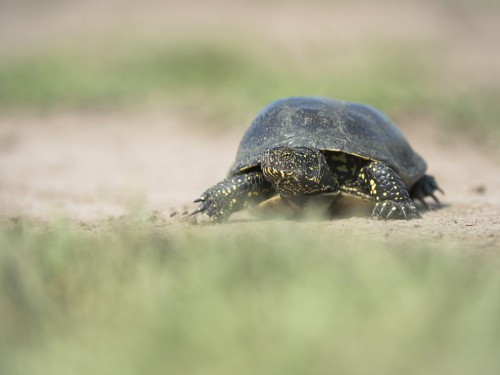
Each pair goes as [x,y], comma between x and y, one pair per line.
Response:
[478,189]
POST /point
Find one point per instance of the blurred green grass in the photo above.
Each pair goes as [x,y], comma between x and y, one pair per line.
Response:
[214,71]
[220,83]
[134,299]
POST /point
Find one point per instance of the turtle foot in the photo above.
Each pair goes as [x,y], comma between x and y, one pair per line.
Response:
[426,187]
[386,209]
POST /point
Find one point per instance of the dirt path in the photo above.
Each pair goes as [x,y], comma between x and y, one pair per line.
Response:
[90,167]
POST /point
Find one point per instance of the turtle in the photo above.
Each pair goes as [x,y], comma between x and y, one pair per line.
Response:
[306,146]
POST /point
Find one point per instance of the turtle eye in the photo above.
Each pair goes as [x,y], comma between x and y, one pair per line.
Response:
[285,155]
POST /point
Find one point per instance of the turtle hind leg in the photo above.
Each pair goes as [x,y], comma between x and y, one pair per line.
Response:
[387,189]
[233,194]
[425,187]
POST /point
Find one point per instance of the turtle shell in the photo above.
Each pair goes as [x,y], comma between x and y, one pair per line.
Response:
[328,125]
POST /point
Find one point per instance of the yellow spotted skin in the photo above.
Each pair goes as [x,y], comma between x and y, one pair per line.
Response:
[233,194]
[372,180]
[300,171]
[383,183]
[388,190]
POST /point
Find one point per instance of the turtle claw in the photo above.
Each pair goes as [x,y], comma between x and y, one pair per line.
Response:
[385,210]
[198,210]
[424,203]
[425,187]
[376,211]
[389,214]
[211,205]
[435,199]
[202,207]
[403,211]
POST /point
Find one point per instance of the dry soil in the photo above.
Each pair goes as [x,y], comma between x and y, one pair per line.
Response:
[91,168]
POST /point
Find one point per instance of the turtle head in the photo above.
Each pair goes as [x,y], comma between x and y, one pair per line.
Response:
[297,171]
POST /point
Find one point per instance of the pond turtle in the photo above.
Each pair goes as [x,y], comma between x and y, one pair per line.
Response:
[306,146]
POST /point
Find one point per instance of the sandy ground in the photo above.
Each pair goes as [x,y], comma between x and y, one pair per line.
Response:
[92,167]
[89,167]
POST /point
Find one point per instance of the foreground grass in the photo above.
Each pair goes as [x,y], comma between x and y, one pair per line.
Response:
[136,300]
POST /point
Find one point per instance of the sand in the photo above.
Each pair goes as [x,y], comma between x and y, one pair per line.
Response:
[93,167]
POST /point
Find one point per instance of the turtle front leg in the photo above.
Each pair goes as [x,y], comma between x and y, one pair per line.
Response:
[233,194]
[388,190]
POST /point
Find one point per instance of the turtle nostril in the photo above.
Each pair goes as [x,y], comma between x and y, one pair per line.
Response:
[266,156]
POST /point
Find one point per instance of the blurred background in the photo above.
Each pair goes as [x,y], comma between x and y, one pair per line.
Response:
[223,59]
[117,114]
